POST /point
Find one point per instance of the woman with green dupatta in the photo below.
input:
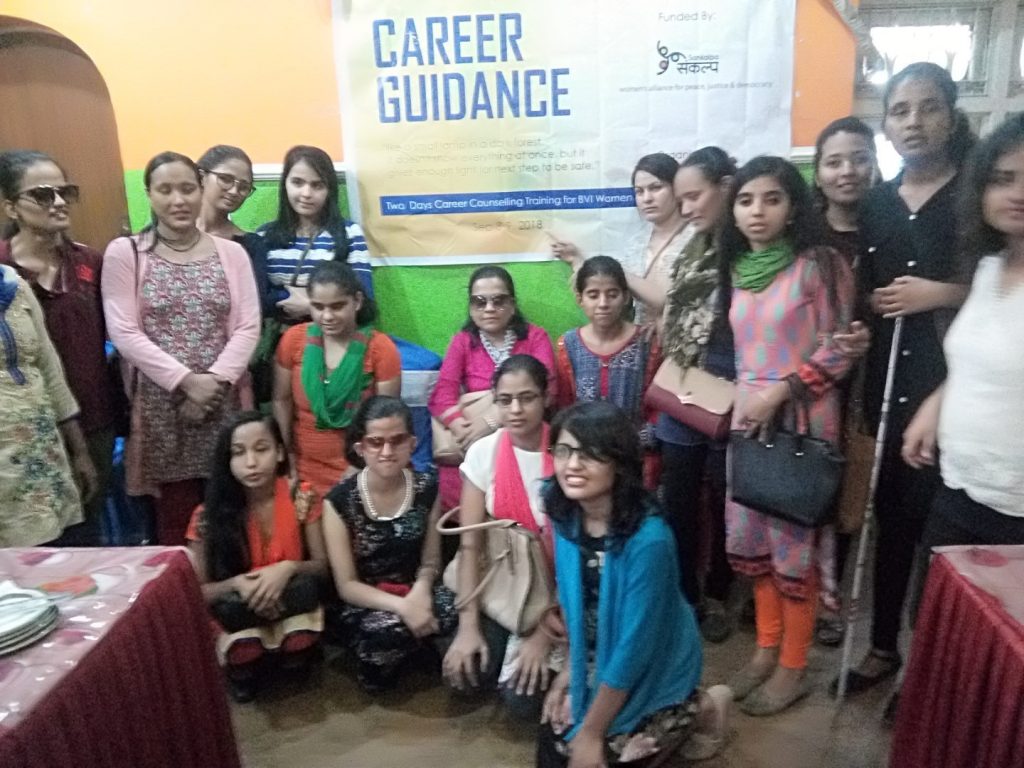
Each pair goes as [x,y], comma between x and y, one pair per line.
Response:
[325,369]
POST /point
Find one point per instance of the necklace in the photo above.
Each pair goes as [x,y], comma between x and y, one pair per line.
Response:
[170,243]
[371,510]
[499,354]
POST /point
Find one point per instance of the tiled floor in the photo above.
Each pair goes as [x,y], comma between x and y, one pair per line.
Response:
[332,723]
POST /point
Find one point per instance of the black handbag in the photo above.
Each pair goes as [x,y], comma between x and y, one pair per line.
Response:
[791,476]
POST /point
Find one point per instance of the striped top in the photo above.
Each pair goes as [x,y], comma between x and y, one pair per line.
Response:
[281,262]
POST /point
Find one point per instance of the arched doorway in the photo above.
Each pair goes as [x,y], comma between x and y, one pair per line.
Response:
[55,100]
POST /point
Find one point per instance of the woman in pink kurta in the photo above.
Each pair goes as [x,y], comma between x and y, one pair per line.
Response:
[183,311]
[494,331]
[788,298]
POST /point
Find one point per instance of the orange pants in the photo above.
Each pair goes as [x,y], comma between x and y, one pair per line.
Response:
[783,621]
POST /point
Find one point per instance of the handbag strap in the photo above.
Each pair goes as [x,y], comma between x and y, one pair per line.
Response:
[302,260]
[484,580]
[486,525]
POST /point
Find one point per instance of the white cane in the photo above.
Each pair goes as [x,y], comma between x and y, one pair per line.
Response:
[853,603]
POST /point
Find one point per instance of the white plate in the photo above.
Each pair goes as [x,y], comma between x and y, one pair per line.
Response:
[46,619]
[21,608]
[28,640]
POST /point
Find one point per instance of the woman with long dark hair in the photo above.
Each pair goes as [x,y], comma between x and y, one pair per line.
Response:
[629,690]
[258,553]
[182,309]
[908,229]
[786,295]
[494,330]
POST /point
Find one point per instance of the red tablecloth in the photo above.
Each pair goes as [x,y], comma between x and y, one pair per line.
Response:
[128,677]
[962,701]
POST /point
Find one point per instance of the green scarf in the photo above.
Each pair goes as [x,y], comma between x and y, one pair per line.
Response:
[755,270]
[334,398]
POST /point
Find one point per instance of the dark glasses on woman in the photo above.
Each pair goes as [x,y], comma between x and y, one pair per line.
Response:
[377,443]
[229,182]
[46,195]
[564,451]
[498,301]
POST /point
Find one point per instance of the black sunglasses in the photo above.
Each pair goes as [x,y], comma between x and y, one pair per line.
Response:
[46,195]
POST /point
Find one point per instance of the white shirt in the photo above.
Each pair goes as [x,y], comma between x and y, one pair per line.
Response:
[478,468]
[981,424]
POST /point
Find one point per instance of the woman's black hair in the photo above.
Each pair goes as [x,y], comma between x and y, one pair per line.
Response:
[13,165]
[804,230]
[282,231]
[978,238]
[607,432]
[659,165]
[522,363]
[221,153]
[714,163]
[849,124]
[155,162]
[962,138]
[518,323]
[342,275]
[601,266]
[224,522]
[371,409]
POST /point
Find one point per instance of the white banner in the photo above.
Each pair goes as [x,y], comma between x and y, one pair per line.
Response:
[470,135]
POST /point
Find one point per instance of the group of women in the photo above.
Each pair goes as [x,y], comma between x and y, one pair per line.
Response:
[746,273]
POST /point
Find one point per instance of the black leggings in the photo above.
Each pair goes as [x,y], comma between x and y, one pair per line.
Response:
[682,476]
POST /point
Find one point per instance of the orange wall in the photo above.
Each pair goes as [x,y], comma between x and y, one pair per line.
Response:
[192,73]
[187,74]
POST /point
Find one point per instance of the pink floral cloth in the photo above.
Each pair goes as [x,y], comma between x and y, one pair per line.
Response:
[93,589]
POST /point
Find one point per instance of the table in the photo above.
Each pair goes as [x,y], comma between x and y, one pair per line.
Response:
[962,701]
[128,677]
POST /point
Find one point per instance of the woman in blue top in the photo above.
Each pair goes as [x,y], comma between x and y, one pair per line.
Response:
[629,689]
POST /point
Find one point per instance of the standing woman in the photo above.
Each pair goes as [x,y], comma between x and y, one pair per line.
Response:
[494,330]
[182,309]
[786,296]
[695,335]
[649,257]
[977,414]
[65,276]
[502,477]
[629,691]
[325,369]
[908,226]
[309,230]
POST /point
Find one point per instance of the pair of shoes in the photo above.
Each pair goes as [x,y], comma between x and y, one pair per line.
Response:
[746,680]
[242,688]
[856,682]
[704,746]
[760,704]
[829,631]
[716,625]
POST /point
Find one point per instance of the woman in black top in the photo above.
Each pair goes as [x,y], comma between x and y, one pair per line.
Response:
[908,231]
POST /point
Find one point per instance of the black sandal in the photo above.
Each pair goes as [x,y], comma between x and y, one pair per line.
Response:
[857,682]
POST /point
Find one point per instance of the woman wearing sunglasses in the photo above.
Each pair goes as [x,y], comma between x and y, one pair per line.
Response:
[65,276]
[501,478]
[494,330]
[384,549]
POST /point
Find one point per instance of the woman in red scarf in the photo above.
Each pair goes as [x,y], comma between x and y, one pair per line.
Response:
[501,477]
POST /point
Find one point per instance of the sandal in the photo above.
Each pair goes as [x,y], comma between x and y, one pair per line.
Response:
[760,704]
[704,746]
[829,631]
[746,680]
[857,682]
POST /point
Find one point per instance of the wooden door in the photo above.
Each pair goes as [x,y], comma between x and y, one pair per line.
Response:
[53,99]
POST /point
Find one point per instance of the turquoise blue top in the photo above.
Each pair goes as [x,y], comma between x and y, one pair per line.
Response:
[647,638]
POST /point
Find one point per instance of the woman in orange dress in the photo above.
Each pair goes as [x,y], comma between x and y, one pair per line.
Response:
[325,369]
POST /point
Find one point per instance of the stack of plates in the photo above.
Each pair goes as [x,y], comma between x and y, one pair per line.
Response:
[26,615]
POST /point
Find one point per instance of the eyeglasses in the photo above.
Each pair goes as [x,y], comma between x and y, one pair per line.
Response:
[564,452]
[377,443]
[498,301]
[229,182]
[46,195]
[524,398]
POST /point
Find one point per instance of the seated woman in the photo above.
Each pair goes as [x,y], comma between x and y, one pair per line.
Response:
[325,369]
[629,691]
[494,330]
[380,528]
[501,478]
[259,555]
